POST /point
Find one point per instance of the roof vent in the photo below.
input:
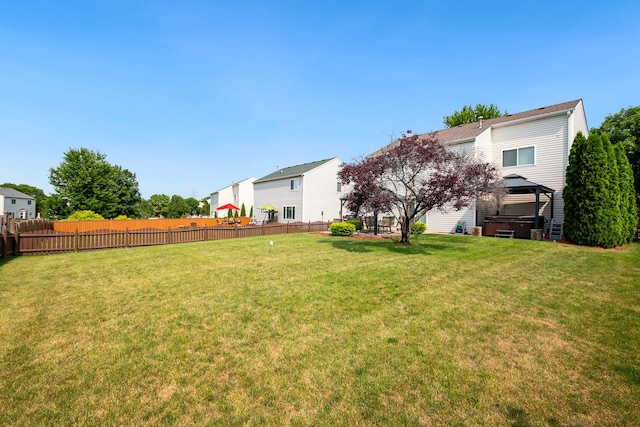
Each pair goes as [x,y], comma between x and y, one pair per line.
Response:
[480,119]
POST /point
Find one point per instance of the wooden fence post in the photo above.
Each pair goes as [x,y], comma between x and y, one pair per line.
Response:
[76,238]
[5,242]
[126,237]
[168,235]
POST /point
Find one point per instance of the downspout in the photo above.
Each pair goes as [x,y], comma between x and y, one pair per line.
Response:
[565,160]
[537,220]
[301,198]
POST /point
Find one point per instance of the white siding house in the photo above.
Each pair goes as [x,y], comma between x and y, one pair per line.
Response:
[534,144]
[236,194]
[16,204]
[308,192]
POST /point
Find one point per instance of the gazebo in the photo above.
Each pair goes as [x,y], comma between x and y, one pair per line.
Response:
[516,184]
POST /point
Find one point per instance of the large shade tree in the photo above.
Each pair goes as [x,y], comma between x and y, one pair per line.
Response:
[414,175]
[84,180]
[470,114]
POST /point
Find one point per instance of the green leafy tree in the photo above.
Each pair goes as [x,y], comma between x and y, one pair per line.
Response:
[125,187]
[177,207]
[192,205]
[159,205]
[592,202]
[84,180]
[470,114]
[144,209]
[624,128]
[204,208]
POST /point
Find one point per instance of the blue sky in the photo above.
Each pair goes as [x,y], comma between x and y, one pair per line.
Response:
[194,95]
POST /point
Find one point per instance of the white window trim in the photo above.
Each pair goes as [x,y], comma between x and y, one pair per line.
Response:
[284,212]
[517,149]
[291,181]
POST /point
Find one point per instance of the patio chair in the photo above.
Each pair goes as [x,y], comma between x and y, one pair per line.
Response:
[387,223]
[369,222]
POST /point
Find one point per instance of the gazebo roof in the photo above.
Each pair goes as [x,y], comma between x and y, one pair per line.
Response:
[517,184]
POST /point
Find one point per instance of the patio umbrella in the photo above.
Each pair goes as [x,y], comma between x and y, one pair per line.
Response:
[268,207]
[228,206]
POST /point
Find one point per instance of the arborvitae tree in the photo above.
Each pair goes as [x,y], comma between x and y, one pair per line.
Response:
[243,211]
[592,207]
[615,228]
[251,212]
[573,193]
[628,207]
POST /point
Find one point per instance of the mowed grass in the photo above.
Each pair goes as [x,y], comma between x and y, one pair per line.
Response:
[323,331]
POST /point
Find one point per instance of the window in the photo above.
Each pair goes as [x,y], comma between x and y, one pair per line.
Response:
[518,157]
[294,184]
[339,187]
[13,201]
[289,212]
[28,202]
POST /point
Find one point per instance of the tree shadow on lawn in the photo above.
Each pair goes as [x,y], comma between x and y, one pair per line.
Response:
[6,260]
[421,247]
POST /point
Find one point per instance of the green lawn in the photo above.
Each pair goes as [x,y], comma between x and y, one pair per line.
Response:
[321,330]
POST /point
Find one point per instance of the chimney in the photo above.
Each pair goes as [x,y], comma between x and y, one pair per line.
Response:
[480,120]
[409,132]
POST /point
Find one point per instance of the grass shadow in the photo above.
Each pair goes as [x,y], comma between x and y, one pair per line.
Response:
[423,245]
[5,261]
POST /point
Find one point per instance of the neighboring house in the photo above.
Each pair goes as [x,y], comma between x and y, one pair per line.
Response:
[532,147]
[17,205]
[308,192]
[236,194]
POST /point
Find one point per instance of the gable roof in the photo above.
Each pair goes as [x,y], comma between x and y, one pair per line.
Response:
[517,184]
[472,130]
[10,192]
[234,183]
[292,171]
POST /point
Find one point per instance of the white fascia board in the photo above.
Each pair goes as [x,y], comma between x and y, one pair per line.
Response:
[534,118]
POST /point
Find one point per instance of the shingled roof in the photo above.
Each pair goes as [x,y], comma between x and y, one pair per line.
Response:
[292,171]
[15,194]
[472,130]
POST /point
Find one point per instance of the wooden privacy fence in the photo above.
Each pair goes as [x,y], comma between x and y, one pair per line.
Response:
[52,241]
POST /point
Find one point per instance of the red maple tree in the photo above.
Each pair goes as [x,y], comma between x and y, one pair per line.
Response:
[414,175]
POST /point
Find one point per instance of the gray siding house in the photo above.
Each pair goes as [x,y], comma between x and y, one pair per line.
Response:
[306,192]
[16,204]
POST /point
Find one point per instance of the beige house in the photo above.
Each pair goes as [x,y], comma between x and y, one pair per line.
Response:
[531,148]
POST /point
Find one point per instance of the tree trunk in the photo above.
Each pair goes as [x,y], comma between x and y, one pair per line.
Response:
[405,232]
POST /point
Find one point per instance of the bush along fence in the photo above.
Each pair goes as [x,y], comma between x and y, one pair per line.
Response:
[50,241]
